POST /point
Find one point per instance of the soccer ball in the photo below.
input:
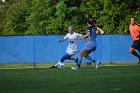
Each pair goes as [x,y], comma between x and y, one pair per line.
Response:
[60,65]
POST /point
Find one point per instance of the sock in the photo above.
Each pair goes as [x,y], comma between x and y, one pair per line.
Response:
[65,57]
[136,54]
[90,59]
[79,62]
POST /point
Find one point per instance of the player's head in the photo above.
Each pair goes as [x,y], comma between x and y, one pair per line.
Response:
[71,29]
[133,20]
[91,21]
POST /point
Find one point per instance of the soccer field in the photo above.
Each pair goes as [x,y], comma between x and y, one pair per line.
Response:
[116,78]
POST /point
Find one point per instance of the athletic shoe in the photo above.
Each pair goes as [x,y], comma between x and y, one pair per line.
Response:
[97,65]
[74,68]
[53,67]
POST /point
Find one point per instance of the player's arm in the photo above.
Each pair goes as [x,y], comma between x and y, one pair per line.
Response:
[79,36]
[138,36]
[61,40]
[87,35]
[99,31]
[84,36]
[126,31]
[65,38]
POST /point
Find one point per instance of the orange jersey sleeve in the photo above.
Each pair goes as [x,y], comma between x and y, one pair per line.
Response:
[134,31]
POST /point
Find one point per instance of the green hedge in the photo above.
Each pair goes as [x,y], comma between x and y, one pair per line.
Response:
[24,17]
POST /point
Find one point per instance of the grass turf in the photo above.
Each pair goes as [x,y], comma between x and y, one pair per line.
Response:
[116,78]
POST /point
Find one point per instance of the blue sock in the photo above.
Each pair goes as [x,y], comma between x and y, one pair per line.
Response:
[90,59]
[79,62]
[65,57]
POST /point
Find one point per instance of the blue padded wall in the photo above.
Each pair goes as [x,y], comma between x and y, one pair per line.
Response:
[19,49]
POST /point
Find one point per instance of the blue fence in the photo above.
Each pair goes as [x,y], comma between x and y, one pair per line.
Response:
[19,49]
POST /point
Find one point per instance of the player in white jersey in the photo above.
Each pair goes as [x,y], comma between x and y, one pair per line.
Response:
[72,37]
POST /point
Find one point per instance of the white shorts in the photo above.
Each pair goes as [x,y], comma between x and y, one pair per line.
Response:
[70,52]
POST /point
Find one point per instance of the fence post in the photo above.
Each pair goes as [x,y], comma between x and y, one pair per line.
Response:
[111,49]
[34,53]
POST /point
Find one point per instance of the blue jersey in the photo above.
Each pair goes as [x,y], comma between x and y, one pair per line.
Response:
[92,37]
[91,45]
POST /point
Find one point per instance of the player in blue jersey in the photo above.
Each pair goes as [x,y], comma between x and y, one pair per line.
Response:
[91,43]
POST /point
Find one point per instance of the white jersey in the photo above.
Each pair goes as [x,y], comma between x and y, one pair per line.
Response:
[72,38]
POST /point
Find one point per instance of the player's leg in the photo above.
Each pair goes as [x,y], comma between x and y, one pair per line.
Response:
[75,59]
[139,53]
[90,48]
[87,50]
[72,53]
[134,46]
[86,55]
[139,50]
[84,51]
[66,56]
[132,51]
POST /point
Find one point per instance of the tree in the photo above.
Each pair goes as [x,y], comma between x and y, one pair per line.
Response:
[27,17]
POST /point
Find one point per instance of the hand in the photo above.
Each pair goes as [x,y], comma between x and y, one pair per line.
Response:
[99,31]
[126,30]
[59,40]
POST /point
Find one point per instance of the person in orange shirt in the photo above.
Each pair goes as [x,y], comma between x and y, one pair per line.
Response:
[134,30]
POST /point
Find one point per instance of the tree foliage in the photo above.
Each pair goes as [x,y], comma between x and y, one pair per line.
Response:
[22,17]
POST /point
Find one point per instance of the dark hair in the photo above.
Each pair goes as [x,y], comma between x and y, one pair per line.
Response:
[134,17]
[91,21]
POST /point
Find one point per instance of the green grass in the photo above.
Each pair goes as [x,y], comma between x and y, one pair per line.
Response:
[116,78]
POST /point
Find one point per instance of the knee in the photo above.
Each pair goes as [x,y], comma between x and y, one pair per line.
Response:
[131,50]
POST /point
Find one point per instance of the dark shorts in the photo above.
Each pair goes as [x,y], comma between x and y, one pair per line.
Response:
[136,44]
[91,50]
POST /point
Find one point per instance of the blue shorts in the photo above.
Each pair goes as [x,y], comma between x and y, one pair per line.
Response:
[91,47]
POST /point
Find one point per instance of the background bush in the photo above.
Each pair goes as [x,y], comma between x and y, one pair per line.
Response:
[27,17]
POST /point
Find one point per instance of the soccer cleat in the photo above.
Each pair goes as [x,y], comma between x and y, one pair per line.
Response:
[53,67]
[74,68]
[97,65]
[76,60]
